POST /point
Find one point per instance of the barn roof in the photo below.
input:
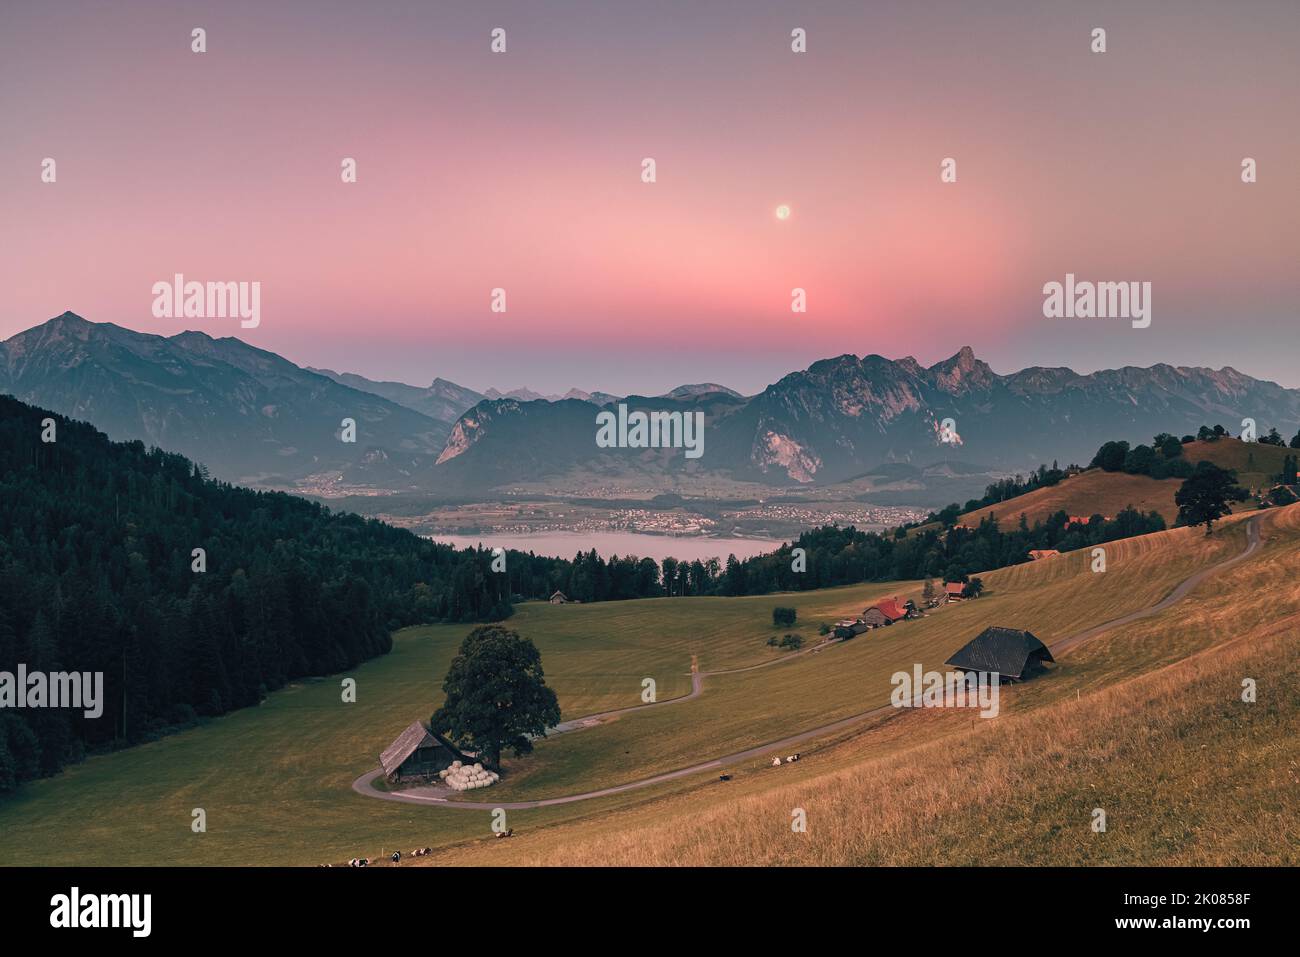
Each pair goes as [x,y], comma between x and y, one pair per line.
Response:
[1007,651]
[415,736]
[891,609]
[954,588]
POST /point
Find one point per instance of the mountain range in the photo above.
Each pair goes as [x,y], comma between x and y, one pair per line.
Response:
[252,416]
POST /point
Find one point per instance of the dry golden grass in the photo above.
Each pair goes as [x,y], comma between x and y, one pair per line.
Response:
[1107,493]
[1090,493]
[1187,773]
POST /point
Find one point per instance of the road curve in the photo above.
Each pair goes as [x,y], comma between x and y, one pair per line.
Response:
[363,785]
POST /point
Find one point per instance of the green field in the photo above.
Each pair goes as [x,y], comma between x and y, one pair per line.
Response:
[275,780]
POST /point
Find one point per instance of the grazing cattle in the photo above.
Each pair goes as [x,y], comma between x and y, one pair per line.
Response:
[421,851]
[776,761]
[724,777]
[397,856]
[790,759]
[507,833]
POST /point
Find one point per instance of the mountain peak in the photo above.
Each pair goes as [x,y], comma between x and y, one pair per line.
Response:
[962,372]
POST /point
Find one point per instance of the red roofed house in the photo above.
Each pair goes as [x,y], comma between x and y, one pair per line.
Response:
[955,591]
[1038,554]
[885,612]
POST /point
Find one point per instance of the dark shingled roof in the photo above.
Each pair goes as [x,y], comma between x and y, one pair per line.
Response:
[1008,651]
[416,736]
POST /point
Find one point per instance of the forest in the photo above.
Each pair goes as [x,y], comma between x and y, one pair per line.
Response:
[99,572]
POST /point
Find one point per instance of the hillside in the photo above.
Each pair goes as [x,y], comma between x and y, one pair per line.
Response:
[936,788]
[193,597]
[247,414]
[1106,493]
[282,801]
[1088,493]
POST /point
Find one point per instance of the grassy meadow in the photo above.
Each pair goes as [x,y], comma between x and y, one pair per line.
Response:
[275,779]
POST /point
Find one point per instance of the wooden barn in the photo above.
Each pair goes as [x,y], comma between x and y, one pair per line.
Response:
[559,599]
[1013,653]
[954,591]
[419,753]
[851,629]
[1038,554]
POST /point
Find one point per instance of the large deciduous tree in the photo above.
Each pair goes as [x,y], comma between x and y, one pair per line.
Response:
[497,696]
[1204,497]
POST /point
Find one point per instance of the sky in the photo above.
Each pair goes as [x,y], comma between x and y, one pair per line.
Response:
[522,171]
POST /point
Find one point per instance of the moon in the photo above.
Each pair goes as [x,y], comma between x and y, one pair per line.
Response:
[783,212]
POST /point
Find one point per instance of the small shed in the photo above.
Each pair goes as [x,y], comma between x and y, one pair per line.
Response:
[418,752]
[1013,653]
[851,629]
[559,599]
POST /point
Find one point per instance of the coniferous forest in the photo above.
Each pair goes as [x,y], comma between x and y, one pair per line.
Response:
[97,573]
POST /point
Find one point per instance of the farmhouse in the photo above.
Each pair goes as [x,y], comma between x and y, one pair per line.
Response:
[954,591]
[885,612]
[1038,554]
[418,753]
[1013,653]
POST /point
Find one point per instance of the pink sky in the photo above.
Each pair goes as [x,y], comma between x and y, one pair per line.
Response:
[522,171]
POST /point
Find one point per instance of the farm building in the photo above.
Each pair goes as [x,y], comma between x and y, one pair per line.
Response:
[885,612]
[418,752]
[559,599]
[1013,653]
[851,629]
[1038,554]
[954,591]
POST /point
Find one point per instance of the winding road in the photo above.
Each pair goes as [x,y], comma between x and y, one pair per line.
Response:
[437,796]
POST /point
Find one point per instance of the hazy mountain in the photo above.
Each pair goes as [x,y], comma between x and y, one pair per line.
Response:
[442,400]
[703,388]
[528,395]
[247,414]
[250,414]
[842,416]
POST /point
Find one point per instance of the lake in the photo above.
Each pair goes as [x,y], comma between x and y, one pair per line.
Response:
[658,547]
